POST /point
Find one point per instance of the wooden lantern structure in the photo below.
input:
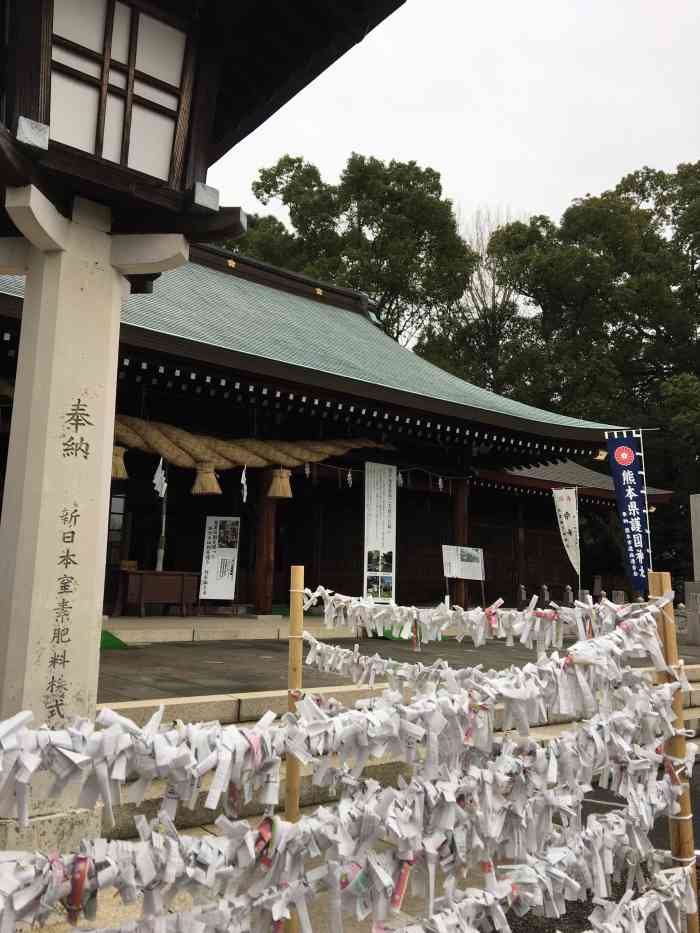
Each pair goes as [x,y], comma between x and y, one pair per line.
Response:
[111,112]
[128,102]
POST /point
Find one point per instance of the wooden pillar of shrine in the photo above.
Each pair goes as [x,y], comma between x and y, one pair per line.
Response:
[265,547]
[460,501]
[520,545]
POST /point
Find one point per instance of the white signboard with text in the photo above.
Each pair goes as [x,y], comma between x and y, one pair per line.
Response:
[462,563]
[380,532]
[220,557]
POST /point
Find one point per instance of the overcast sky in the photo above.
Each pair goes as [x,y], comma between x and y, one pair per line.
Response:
[522,105]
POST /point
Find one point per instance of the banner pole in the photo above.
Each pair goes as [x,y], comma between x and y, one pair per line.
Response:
[680,825]
[294,684]
[578,529]
[646,497]
[160,554]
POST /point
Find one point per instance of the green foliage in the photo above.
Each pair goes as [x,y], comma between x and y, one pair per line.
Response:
[603,324]
[597,316]
[384,229]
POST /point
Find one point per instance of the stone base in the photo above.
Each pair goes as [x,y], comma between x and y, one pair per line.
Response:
[693,634]
[53,832]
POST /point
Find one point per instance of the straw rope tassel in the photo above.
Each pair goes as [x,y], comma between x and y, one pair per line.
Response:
[118,465]
[280,487]
[680,827]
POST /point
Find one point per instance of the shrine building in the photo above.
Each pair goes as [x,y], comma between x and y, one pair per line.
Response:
[231,364]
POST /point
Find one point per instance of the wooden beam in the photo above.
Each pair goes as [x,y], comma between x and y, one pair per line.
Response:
[104,78]
[131,66]
[30,61]
[16,169]
[184,108]
[265,546]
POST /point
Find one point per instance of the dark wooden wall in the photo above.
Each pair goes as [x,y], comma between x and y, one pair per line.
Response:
[322,528]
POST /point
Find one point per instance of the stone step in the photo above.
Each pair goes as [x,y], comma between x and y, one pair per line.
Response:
[162,629]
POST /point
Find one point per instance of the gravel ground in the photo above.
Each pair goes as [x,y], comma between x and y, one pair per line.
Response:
[575,921]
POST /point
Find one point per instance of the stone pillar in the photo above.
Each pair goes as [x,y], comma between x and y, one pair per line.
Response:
[692,590]
[55,514]
[695,529]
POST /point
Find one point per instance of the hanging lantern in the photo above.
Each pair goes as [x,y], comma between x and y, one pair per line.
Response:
[307,470]
[280,487]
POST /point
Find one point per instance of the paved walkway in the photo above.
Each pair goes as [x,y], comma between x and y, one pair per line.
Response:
[179,669]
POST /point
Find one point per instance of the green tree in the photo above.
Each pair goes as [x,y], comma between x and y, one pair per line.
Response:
[611,301]
[485,338]
[384,229]
[608,286]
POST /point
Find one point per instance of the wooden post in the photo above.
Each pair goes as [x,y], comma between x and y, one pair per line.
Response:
[522,596]
[460,501]
[520,547]
[265,548]
[296,628]
[681,825]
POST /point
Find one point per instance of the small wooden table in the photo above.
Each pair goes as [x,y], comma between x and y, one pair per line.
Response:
[143,588]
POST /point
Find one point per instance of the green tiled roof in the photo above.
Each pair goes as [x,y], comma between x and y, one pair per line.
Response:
[212,307]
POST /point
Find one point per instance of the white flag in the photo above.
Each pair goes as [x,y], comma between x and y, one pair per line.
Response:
[566,504]
[159,480]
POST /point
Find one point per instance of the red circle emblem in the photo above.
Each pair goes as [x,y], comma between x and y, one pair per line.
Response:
[624,456]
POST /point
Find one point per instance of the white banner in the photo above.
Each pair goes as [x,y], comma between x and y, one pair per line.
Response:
[220,558]
[462,563]
[380,532]
[566,504]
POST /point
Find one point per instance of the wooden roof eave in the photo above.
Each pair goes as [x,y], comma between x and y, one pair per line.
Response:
[218,356]
[529,482]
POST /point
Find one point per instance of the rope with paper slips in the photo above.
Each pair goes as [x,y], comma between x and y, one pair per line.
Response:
[545,627]
[670,894]
[250,758]
[268,864]
[637,632]
[165,862]
[655,690]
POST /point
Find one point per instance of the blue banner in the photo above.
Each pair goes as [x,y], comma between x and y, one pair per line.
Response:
[627,468]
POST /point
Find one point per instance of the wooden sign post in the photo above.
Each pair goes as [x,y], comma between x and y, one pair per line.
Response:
[296,629]
[680,825]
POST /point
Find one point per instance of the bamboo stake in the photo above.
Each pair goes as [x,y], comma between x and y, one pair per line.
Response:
[296,628]
[680,825]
